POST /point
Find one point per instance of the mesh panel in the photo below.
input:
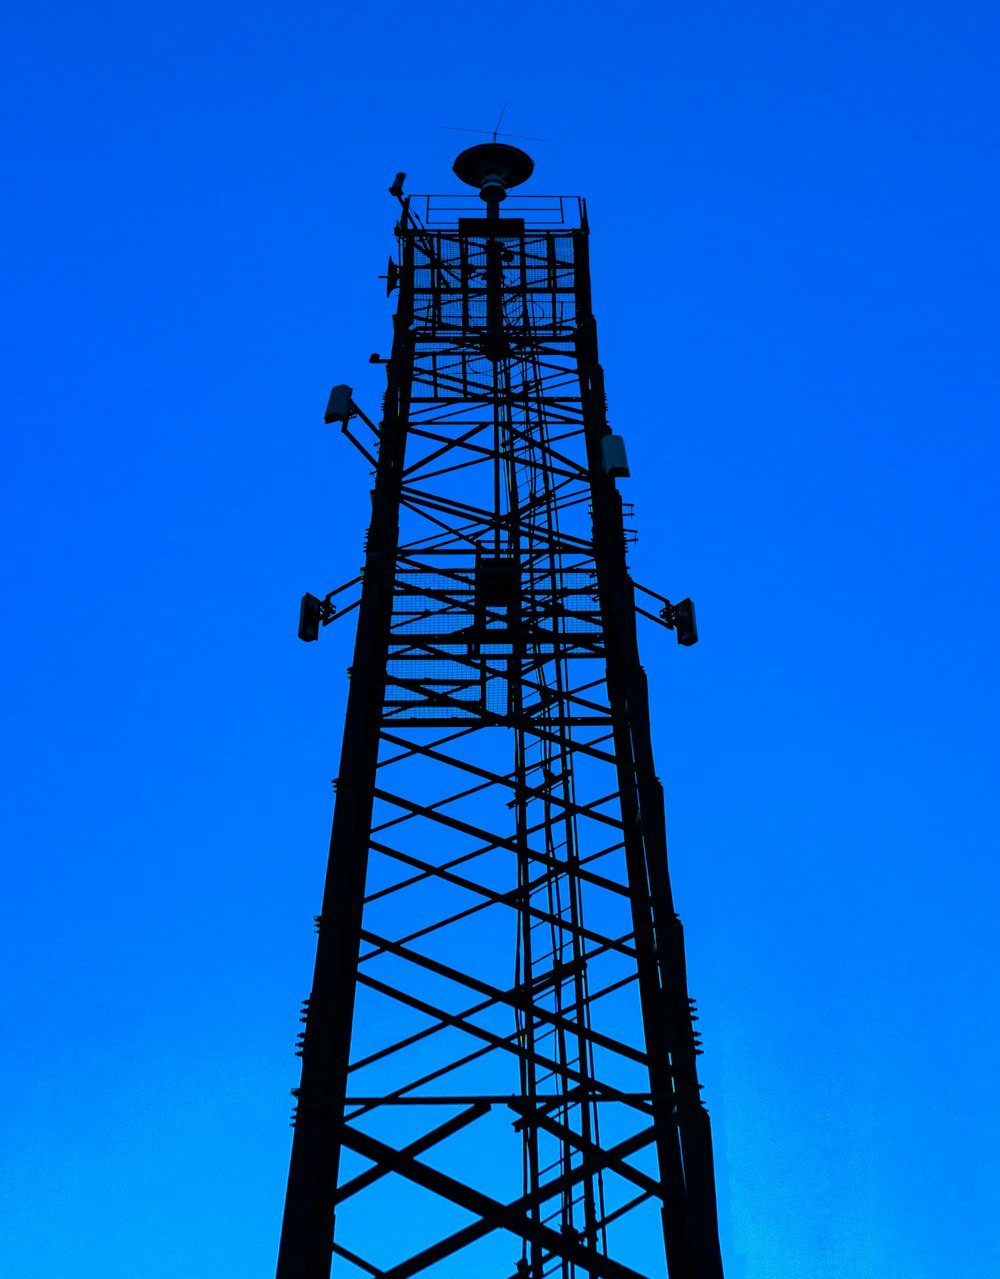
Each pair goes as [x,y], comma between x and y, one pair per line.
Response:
[443,648]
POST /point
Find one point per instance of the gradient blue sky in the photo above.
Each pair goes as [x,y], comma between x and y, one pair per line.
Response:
[794,213]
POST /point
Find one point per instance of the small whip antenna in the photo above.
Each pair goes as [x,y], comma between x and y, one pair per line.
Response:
[495,132]
[486,133]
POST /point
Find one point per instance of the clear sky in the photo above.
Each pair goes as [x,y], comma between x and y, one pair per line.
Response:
[795,278]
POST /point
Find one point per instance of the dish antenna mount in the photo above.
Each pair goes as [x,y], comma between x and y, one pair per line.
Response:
[493,167]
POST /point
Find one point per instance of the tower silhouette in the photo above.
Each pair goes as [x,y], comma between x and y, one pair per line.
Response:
[498,1061]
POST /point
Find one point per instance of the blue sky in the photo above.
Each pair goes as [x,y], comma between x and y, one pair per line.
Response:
[795,278]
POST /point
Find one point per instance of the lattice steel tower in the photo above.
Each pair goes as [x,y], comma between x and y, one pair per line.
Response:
[498,1061]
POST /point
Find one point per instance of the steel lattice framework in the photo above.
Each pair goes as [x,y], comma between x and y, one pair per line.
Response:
[498,1061]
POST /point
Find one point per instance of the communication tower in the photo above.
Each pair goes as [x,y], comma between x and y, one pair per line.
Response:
[498,1061]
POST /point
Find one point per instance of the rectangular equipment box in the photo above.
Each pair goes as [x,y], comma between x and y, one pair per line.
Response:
[309,618]
[614,458]
[498,582]
[339,406]
[504,228]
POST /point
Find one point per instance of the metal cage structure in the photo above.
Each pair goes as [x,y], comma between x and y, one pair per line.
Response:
[499,1060]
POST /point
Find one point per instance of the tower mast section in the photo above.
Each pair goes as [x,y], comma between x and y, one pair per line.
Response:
[499,1061]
